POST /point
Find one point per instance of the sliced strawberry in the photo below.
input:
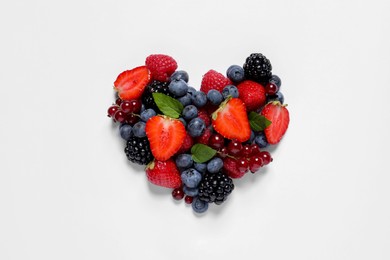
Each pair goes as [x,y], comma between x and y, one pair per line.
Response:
[130,84]
[163,173]
[166,136]
[231,120]
[280,118]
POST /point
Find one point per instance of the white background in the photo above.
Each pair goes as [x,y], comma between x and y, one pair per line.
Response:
[68,192]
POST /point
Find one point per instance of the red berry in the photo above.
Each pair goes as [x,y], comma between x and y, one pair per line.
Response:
[137,105]
[178,193]
[246,150]
[214,80]
[118,101]
[255,162]
[280,118]
[188,199]
[255,149]
[216,141]
[127,106]
[223,152]
[252,94]
[266,156]
[120,116]
[130,84]
[161,66]
[242,165]
[230,167]
[112,110]
[234,147]
[132,119]
[271,89]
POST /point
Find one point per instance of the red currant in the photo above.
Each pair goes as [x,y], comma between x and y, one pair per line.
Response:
[112,110]
[242,165]
[271,89]
[127,107]
[131,119]
[223,152]
[216,141]
[136,105]
[255,149]
[266,156]
[178,193]
[188,199]
[118,101]
[120,116]
[255,163]
[246,150]
[234,147]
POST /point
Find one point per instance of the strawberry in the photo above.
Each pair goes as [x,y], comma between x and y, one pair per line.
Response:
[161,66]
[252,93]
[230,167]
[130,84]
[231,120]
[280,118]
[166,136]
[163,173]
[214,80]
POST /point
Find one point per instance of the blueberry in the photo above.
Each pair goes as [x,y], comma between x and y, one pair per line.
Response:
[214,165]
[184,161]
[277,97]
[139,129]
[185,100]
[142,108]
[215,97]
[191,91]
[230,90]
[126,131]
[148,113]
[200,167]
[191,177]
[178,87]
[235,73]
[199,99]
[190,112]
[199,206]
[196,127]
[276,80]
[180,74]
[183,121]
[190,191]
[261,140]
[252,138]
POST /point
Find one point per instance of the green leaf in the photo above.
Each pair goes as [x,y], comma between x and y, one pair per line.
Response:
[169,106]
[258,122]
[202,153]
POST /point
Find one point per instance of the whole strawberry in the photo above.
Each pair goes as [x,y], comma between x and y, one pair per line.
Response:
[253,94]
[161,66]
[164,173]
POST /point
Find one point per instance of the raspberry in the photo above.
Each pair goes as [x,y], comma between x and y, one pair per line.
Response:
[187,144]
[202,114]
[204,138]
[161,66]
[214,80]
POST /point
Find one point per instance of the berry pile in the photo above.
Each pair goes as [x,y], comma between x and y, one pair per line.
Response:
[195,142]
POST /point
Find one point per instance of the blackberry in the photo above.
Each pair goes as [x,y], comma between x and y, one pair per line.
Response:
[215,187]
[258,68]
[138,150]
[154,87]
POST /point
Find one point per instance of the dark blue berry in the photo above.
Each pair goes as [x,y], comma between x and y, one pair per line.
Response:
[178,87]
[276,80]
[199,99]
[185,100]
[191,91]
[147,114]
[277,97]
[199,206]
[183,121]
[214,165]
[235,73]
[230,90]
[196,127]
[261,140]
[190,112]
[184,161]
[139,129]
[191,177]
[126,131]
[190,191]
[200,167]
[215,97]
[180,74]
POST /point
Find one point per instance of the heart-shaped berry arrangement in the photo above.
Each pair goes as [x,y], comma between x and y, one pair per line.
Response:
[195,142]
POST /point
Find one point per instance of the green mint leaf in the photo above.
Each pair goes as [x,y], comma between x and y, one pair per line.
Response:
[169,106]
[202,153]
[258,122]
